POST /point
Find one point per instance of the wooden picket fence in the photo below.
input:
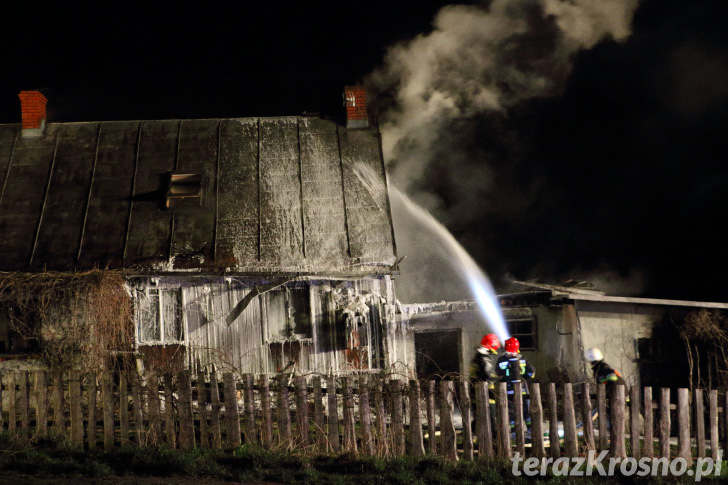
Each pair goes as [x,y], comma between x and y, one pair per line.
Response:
[360,414]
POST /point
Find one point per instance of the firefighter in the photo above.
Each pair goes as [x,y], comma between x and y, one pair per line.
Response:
[512,368]
[483,368]
[603,372]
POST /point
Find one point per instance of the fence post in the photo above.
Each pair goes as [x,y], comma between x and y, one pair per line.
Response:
[483,421]
[24,390]
[683,425]
[665,422]
[170,428]
[503,421]
[699,422]
[552,403]
[634,420]
[725,420]
[333,414]
[519,427]
[417,444]
[431,426]
[465,408]
[41,405]
[76,413]
[92,395]
[398,438]
[713,398]
[202,408]
[318,412]
[536,412]
[284,414]
[586,416]
[2,422]
[215,410]
[617,443]
[12,397]
[232,419]
[154,435]
[383,443]
[367,439]
[251,434]
[266,432]
[138,414]
[107,389]
[186,423]
[59,423]
[349,418]
[301,410]
[649,445]
[603,416]
[123,409]
[447,428]
[571,447]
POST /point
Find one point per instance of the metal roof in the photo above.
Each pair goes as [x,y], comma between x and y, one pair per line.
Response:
[261,195]
[600,296]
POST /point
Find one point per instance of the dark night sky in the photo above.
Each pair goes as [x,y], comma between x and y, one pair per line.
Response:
[554,144]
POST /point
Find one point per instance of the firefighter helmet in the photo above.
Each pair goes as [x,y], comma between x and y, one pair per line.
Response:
[490,342]
[593,354]
[512,345]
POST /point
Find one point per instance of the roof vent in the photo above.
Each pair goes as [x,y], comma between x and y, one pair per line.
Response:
[183,186]
[33,113]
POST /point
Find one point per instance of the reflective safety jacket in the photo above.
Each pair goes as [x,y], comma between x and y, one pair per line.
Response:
[514,368]
[604,373]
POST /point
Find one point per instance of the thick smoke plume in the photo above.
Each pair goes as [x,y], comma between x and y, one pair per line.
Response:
[449,95]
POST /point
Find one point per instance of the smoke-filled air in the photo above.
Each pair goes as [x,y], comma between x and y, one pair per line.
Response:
[453,101]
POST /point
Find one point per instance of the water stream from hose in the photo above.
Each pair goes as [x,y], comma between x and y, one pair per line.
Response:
[458,257]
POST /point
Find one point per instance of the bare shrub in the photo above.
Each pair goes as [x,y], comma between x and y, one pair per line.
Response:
[79,320]
[705,335]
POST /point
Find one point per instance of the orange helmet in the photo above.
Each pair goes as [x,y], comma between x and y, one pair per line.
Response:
[490,342]
[512,345]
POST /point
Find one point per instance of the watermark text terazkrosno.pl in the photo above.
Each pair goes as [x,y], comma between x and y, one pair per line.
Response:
[600,465]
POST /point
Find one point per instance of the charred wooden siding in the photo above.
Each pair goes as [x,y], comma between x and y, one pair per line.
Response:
[349,323]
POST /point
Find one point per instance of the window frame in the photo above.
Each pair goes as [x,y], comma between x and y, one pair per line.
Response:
[162,295]
[533,334]
[287,331]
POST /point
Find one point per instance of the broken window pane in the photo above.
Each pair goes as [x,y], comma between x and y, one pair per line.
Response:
[172,315]
[300,307]
[148,315]
[277,315]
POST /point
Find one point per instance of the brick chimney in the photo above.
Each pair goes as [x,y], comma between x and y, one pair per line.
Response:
[33,111]
[356,107]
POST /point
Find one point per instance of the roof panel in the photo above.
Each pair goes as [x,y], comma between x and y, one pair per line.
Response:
[278,195]
[62,219]
[110,197]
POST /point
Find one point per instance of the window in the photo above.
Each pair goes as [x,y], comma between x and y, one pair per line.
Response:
[159,316]
[289,314]
[17,336]
[524,329]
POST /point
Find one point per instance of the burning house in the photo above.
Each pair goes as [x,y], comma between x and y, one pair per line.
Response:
[252,243]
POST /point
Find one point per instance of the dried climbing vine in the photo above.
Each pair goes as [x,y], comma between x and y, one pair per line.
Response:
[705,335]
[79,320]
